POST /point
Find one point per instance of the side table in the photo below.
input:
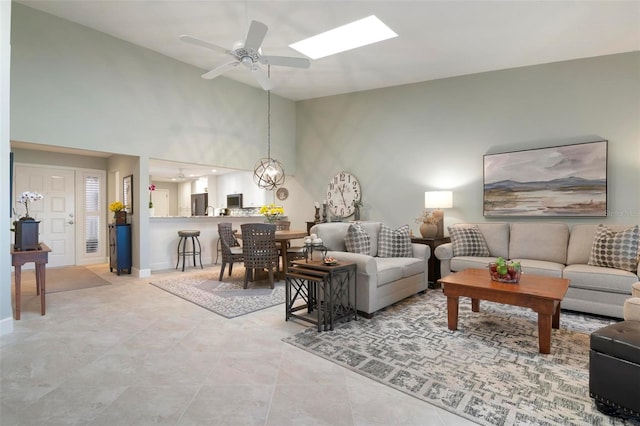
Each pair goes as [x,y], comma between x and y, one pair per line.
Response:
[40,257]
[434,263]
[325,288]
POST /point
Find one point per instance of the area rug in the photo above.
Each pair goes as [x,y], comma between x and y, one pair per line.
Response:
[227,298]
[64,279]
[488,371]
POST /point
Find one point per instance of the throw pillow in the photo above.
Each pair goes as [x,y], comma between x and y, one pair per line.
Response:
[617,250]
[468,241]
[357,240]
[394,243]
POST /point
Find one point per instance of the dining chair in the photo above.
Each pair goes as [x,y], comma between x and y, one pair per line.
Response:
[282,225]
[259,249]
[231,250]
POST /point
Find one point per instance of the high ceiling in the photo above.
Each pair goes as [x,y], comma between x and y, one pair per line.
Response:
[437,39]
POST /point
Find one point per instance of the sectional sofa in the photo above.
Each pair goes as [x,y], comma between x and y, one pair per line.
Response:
[383,277]
[553,249]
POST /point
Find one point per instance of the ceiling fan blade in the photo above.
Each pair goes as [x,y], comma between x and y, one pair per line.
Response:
[286,61]
[219,70]
[255,36]
[198,42]
[262,78]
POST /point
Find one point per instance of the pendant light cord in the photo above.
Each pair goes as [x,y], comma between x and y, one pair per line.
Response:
[269,116]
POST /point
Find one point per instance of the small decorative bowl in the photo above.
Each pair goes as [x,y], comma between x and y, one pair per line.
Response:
[330,261]
[511,277]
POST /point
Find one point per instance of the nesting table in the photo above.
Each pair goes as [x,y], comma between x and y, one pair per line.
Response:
[325,289]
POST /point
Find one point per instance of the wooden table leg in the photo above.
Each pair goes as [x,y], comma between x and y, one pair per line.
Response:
[40,284]
[18,277]
[555,323]
[285,260]
[452,312]
[475,305]
[544,333]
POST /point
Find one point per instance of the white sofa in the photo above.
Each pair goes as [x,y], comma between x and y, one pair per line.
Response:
[380,281]
[551,249]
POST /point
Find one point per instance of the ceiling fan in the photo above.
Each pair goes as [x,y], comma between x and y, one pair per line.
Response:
[180,176]
[248,54]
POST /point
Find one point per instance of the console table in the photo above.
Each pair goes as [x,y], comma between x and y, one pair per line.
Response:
[40,257]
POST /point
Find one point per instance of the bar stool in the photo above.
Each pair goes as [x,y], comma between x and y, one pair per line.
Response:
[184,236]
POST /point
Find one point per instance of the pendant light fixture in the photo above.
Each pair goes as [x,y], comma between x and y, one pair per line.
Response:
[268,173]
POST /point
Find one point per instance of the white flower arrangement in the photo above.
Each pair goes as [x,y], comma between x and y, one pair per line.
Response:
[26,198]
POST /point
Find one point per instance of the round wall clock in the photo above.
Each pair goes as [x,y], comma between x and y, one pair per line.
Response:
[282,193]
[342,194]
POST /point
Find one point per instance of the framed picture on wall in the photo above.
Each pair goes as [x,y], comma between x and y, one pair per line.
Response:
[569,181]
[127,191]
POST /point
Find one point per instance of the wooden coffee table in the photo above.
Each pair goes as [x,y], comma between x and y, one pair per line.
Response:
[541,294]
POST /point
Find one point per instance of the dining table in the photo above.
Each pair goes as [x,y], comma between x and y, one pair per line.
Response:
[283,238]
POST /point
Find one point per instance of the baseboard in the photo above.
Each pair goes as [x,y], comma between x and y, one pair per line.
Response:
[6,326]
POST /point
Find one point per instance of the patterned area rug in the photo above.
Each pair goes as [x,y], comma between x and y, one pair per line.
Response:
[488,371]
[227,298]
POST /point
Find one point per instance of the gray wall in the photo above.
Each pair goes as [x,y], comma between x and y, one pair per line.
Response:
[6,320]
[78,88]
[405,140]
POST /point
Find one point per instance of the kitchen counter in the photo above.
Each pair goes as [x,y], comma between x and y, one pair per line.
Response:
[164,236]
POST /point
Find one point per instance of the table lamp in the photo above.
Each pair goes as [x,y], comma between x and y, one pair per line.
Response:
[438,200]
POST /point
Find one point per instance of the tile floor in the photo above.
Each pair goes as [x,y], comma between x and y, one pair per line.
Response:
[132,354]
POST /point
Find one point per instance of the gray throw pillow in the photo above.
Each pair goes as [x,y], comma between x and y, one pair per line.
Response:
[617,250]
[357,240]
[394,243]
[467,241]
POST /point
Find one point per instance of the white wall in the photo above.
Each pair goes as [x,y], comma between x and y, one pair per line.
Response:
[78,88]
[6,313]
[405,140]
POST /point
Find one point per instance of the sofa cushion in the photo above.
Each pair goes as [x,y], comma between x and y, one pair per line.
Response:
[467,241]
[373,229]
[357,240]
[394,243]
[612,249]
[541,267]
[539,241]
[389,270]
[461,263]
[608,280]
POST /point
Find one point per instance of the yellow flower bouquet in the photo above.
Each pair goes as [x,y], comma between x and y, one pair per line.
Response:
[116,206]
[271,212]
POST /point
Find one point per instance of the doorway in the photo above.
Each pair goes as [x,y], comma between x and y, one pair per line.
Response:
[71,213]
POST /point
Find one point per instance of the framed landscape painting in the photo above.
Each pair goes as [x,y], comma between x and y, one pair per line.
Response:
[569,180]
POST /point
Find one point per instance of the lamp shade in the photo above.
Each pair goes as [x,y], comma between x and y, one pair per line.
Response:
[438,199]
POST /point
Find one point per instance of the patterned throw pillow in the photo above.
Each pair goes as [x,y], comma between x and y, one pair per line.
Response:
[615,249]
[357,240]
[394,243]
[467,241]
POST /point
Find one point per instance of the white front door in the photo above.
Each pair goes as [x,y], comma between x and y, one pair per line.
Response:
[56,211]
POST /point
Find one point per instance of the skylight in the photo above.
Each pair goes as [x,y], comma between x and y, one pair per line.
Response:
[359,33]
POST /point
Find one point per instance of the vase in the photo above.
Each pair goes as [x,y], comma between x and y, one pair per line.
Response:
[428,230]
[26,230]
[120,217]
